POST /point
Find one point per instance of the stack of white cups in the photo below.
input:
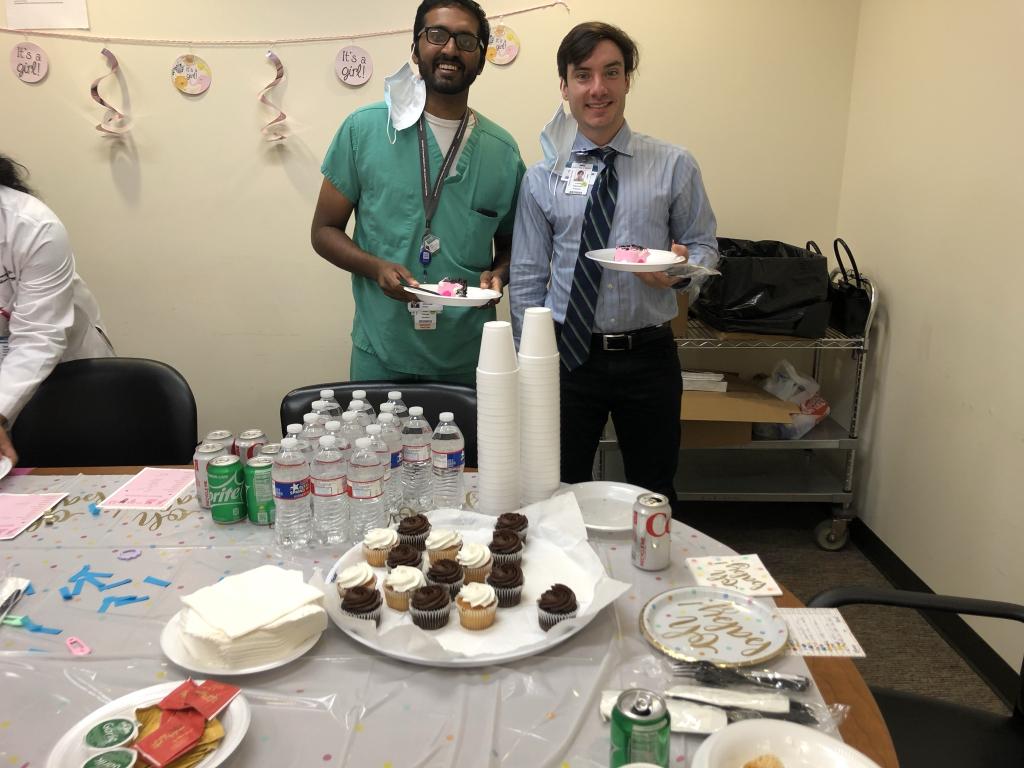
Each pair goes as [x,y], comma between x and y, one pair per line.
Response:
[540,432]
[497,420]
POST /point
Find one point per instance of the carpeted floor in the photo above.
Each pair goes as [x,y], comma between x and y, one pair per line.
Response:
[903,651]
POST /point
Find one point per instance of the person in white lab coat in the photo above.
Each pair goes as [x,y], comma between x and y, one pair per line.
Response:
[47,314]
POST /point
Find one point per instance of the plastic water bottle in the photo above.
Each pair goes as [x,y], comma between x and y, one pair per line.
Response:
[328,476]
[374,433]
[401,412]
[416,476]
[333,428]
[351,428]
[356,407]
[333,407]
[309,438]
[448,457]
[386,408]
[360,394]
[290,474]
[365,489]
[392,436]
[295,430]
[319,407]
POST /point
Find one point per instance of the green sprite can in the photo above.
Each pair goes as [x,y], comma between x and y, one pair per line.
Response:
[640,729]
[259,490]
[227,489]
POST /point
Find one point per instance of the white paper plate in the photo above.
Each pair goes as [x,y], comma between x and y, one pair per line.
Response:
[70,750]
[713,624]
[657,261]
[475,297]
[797,746]
[606,506]
[5,467]
[175,650]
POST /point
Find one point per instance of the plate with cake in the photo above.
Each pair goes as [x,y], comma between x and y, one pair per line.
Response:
[247,623]
[453,292]
[223,735]
[635,258]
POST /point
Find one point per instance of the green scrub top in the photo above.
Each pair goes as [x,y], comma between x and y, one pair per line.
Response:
[478,201]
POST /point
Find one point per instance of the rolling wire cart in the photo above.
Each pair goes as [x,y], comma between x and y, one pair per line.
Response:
[816,468]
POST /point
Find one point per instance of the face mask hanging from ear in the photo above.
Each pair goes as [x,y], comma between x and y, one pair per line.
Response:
[405,93]
[556,140]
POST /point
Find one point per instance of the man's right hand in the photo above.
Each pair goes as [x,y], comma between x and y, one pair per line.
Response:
[7,447]
[390,277]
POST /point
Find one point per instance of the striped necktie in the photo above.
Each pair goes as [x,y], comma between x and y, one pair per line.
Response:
[574,343]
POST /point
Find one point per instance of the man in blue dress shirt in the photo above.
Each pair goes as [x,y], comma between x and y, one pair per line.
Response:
[617,347]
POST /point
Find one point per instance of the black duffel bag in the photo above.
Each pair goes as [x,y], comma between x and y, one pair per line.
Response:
[767,287]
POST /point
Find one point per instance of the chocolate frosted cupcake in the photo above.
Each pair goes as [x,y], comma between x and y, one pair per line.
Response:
[362,603]
[506,546]
[513,521]
[431,607]
[555,605]
[404,554]
[507,580]
[446,573]
[413,530]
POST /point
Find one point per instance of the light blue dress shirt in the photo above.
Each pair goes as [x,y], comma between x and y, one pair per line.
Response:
[661,200]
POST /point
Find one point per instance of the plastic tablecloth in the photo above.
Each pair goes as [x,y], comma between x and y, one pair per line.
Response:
[340,704]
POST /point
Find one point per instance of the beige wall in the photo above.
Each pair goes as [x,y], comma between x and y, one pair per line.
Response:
[932,189]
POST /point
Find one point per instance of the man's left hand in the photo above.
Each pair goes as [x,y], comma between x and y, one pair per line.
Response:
[6,447]
[493,281]
[664,279]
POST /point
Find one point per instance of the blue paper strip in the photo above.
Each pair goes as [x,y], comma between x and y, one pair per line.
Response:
[156,582]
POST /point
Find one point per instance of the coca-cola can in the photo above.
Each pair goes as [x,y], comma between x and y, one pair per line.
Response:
[204,454]
[225,436]
[652,540]
[270,449]
[248,443]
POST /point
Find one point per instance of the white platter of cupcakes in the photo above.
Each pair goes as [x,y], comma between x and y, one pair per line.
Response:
[455,588]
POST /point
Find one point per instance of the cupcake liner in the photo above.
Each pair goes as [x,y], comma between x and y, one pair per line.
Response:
[434,619]
[373,615]
[399,601]
[548,620]
[504,558]
[418,540]
[372,583]
[477,574]
[477,618]
[508,597]
[453,589]
[377,558]
[449,553]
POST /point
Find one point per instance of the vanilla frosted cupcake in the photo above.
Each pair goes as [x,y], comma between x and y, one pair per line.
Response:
[475,560]
[358,575]
[477,605]
[401,584]
[377,545]
[443,544]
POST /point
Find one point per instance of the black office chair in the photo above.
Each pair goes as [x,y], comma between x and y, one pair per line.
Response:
[434,397]
[107,412]
[928,732]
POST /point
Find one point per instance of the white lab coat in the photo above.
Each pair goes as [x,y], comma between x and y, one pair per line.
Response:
[46,311]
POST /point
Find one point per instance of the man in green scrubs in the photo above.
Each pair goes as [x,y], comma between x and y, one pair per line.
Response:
[374,168]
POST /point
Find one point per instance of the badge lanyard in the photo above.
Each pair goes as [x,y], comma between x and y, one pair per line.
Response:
[431,197]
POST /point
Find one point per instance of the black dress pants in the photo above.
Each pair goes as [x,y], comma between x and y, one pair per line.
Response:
[641,389]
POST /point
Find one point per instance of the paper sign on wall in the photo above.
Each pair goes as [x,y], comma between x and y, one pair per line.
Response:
[29,62]
[47,14]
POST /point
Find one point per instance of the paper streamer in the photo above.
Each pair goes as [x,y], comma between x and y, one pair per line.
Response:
[114,122]
[272,130]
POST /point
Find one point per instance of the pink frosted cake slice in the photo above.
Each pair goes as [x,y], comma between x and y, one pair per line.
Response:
[632,254]
[453,287]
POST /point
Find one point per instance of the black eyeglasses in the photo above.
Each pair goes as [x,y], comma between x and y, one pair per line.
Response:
[464,41]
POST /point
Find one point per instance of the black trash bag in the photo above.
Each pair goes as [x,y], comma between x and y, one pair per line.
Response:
[767,287]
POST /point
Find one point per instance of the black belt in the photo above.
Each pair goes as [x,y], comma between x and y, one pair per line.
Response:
[626,340]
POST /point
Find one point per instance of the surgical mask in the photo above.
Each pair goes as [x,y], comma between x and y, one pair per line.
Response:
[405,93]
[557,138]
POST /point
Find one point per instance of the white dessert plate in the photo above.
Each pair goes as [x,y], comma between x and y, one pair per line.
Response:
[711,624]
[657,261]
[5,467]
[796,746]
[475,297]
[175,650]
[71,750]
[606,506]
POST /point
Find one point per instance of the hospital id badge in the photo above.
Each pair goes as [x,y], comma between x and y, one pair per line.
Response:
[578,178]
[424,316]
[5,347]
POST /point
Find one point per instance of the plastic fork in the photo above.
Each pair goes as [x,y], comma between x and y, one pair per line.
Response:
[707,673]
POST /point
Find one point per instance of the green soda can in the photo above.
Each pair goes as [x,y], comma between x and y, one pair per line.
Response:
[259,490]
[640,729]
[227,489]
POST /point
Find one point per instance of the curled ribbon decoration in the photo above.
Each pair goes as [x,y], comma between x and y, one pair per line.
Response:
[114,122]
[272,130]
